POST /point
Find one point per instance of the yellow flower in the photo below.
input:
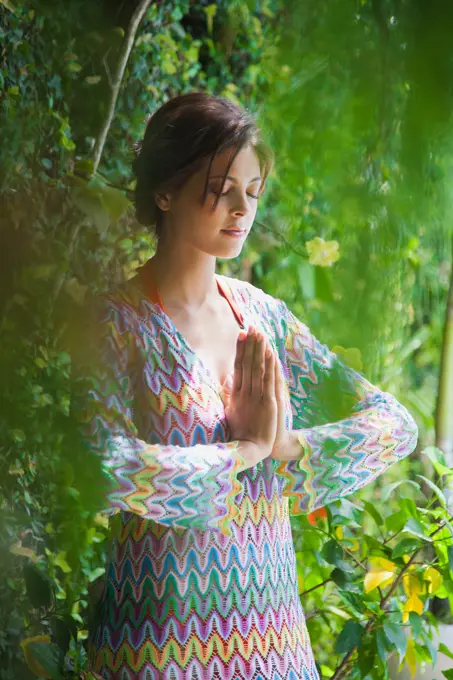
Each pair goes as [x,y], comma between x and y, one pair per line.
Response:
[322,253]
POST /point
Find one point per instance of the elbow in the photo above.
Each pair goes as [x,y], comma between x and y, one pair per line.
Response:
[399,423]
[406,431]
[411,429]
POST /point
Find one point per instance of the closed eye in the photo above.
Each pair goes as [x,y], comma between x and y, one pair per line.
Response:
[225,193]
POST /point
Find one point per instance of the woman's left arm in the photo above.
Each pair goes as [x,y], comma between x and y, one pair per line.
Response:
[346,431]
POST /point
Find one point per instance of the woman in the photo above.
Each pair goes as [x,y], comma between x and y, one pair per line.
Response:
[216,414]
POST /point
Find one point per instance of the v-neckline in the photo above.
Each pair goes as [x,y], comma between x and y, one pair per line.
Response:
[150,289]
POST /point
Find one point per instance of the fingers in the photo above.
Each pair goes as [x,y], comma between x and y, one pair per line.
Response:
[280,396]
[247,361]
[254,359]
[269,375]
[238,361]
[278,382]
[257,368]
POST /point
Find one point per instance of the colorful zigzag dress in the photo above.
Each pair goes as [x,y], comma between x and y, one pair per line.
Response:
[201,580]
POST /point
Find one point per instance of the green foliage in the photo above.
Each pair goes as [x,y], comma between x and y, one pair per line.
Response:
[353,232]
[63,229]
[367,576]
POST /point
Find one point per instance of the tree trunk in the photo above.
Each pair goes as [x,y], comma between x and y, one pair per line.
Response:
[444,408]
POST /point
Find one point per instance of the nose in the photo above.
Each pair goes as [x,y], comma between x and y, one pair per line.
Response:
[240,204]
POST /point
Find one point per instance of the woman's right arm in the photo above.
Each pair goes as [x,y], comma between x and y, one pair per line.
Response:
[181,487]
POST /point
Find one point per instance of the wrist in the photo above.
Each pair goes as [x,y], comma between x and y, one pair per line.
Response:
[252,452]
[290,446]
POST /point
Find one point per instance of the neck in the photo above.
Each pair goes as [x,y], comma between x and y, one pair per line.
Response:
[184,275]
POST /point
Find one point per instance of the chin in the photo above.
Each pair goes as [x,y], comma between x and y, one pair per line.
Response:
[229,253]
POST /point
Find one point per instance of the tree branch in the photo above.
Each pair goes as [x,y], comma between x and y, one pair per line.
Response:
[305,592]
[117,79]
[343,667]
[115,84]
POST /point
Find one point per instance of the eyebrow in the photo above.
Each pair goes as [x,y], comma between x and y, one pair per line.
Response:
[232,179]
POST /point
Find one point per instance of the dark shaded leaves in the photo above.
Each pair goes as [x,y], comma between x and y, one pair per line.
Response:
[349,637]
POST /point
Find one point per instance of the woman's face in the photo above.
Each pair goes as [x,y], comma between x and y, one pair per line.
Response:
[208,230]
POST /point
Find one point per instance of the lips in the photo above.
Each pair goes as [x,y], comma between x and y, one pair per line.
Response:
[235,231]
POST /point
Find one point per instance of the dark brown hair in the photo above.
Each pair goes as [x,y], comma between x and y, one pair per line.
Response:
[180,136]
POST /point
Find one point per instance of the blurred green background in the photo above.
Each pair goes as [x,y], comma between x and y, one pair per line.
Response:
[354,232]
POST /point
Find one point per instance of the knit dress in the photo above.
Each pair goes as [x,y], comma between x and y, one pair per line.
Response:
[201,580]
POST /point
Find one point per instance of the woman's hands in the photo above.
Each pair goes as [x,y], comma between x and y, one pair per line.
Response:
[281,443]
[255,400]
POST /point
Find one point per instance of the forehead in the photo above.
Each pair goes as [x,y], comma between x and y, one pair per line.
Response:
[245,166]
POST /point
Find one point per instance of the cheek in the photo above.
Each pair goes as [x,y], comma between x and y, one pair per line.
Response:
[211,214]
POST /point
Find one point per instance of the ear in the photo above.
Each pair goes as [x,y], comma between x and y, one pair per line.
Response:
[163,200]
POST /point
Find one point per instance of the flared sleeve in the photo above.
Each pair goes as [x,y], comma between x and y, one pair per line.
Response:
[180,487]
[349,430]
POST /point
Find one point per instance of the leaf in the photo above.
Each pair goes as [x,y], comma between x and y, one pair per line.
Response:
[407,545]
[434,579]
[410,658]
[39,589]
[413,526]
[412,585]
[366,658]
[61,633]
[396,636]
[17,435]
[49,657]
[115,201]
[412,604]
[8,4]
[349,637]
[395,521]
[435,489]
[89,202]
[332,552]
[96,573]
[74,67]
[340,578]
[382,573]
[435,454]
[448,674]
[30,659]
[381,644]
[374,579]
[450,557]
[371,510]
[432,650]
[102,520]
[61,562]
[395,485]
[416,623]
[210,12]
[443,649]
